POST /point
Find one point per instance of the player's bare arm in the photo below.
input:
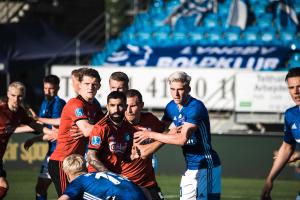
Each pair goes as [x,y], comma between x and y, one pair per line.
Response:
[94,161]
[178,139]
[51,121]
[85,127]
[147,150]
[285,152]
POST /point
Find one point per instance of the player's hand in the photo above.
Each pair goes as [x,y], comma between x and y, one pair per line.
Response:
[140,136]
[28,144]
[266,193]
[135,153]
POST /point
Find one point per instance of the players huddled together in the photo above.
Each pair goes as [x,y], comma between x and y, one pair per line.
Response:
[98,155]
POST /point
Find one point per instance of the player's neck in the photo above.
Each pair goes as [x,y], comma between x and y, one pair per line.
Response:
[118,124]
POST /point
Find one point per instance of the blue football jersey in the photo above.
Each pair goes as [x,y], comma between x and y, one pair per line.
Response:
[197,151]
[103,185]
[51,109]
[292,125]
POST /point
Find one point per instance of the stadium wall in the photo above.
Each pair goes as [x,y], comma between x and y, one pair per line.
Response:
[248,156]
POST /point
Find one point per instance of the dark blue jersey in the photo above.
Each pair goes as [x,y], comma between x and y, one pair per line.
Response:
[292,125]
[197,151]
[51,109]
[103,185]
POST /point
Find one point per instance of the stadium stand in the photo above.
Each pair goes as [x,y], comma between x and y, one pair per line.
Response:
[152,28]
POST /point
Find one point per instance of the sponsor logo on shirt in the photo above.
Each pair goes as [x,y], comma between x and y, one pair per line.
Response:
[294,126]
[127,137]
[96,140]
[79,112]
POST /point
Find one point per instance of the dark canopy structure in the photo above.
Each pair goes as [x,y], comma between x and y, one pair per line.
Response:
[28,41]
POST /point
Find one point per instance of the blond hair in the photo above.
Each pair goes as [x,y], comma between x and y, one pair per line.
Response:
[74,164]
[17,85]
[180,76]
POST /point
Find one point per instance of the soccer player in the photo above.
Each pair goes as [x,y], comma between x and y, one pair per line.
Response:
[118,81]
[291,134]
[140,171]
[202,178]
[80,114]
[51,108]
[101,185]
[111,139]
[11,116]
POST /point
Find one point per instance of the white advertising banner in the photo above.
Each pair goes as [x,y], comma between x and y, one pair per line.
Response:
[213,86]
[261,92]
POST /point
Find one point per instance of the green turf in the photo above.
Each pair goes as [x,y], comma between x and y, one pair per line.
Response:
[22,183]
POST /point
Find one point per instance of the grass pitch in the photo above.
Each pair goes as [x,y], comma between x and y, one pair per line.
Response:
[22,184]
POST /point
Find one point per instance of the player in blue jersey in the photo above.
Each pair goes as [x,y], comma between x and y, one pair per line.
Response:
[202,178]
[51,108]
[100,185]
[291,134]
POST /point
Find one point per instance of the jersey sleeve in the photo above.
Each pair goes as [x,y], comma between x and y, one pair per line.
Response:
[288,136]
[166,116]
[25,118]
[157,124]
[76,110]
[57,108]
[74,190]
[196,114]
[96,138]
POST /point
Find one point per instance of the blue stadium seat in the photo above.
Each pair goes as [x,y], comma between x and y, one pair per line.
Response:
[268,36]
[214,36]
[211,21]
[264,21]
[251,35]
[180,37]
[197,36]
[287,36]
[232,35]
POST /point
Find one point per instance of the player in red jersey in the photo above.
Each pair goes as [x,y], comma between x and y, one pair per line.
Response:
[11,116]
[111,139]
[79,114]
[118,81]
[140,171]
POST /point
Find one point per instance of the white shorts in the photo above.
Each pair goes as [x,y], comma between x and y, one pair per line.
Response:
[202,184]
[44,173]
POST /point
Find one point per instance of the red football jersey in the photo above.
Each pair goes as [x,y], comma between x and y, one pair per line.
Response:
[76,109]
[113,144]
[140,171]
[9,121]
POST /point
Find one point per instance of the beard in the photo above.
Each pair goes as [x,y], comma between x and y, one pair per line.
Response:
[117,118]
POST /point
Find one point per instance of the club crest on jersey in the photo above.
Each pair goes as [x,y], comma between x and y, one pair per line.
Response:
[127,137]
[79,112]
[96,140]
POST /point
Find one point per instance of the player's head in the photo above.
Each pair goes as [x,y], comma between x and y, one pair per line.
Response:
[89,83]
[135,106]
[179,82]
[116,106]
[293,81]
[15,95]
[51,86]
[75,79]
[74,165]
[118,81]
